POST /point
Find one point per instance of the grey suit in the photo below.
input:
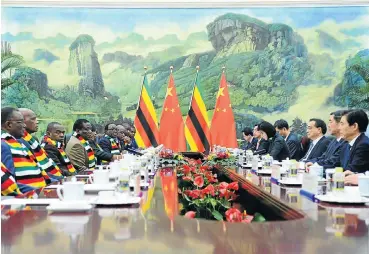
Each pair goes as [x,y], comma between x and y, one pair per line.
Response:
[76,153]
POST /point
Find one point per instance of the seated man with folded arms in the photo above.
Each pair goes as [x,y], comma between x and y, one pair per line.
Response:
[34,146]
[354,155]
[331,157]
[15,156]
[293,142]
[319,143]
[52,143]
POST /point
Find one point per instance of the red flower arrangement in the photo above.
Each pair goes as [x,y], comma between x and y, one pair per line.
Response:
[203,196]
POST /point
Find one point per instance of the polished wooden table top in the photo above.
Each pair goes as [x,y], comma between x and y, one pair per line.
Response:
[152,229]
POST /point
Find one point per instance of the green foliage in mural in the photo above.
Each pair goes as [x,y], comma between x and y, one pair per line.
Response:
[353,91]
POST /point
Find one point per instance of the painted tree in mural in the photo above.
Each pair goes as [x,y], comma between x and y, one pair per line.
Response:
[353,91]
[9,61]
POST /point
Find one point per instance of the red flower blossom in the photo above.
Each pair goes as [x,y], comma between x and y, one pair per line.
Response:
[195,194]
[199,181]
[190,214]
[186,178]
[209,190]
[233,186]
[223,185]
[233,215]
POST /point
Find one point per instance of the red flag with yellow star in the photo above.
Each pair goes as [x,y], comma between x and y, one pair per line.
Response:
[223,126]
[171,133]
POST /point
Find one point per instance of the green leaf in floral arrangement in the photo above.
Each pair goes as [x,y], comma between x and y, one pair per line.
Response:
[213,202]
[258,218]
[187,198]
[217,215]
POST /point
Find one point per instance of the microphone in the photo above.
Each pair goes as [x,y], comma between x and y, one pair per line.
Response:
[262,151]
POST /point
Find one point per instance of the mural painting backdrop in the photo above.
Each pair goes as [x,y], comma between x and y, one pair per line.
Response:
[292,63]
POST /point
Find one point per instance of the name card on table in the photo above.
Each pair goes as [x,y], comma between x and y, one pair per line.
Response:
[276,173]
[310,183]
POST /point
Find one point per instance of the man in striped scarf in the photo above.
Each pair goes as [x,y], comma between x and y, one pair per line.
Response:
[78,148]
[53,144]
[109,143]
[15,156]
[47,164]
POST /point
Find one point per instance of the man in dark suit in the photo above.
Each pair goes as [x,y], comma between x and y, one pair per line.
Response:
[293,142]
[262,144]
[109,143]
[101,155]
[319,143]
[355,154]
[331,157]
[250,141]
[278,148]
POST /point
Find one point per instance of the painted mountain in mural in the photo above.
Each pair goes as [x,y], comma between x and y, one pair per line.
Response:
[264,63]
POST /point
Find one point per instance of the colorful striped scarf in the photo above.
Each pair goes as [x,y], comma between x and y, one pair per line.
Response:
[27,170]
[8,185]
[114,146]
[44,162]
[90,152]
[59,146]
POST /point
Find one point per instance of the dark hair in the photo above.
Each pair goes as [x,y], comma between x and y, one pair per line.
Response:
[6,114]
[51,126]
[319,123]
[280,124]
[268,128]
[337,115]
[247,131]
[107,126]
[357,116]
[93,127]
[78,125]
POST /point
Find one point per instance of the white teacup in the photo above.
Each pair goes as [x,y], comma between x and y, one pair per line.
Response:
[72,191]
[363,181]
[316,170]
[99,177]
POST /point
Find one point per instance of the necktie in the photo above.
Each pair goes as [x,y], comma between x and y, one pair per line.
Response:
[346,155]
[309,151]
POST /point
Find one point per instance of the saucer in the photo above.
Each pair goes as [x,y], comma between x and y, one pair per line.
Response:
[99,187]
[115,200]
[69,206]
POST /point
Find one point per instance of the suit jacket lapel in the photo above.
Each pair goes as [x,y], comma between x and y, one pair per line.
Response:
[352,151]
[315,148]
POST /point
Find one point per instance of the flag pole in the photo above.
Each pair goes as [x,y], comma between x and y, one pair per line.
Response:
[139,98]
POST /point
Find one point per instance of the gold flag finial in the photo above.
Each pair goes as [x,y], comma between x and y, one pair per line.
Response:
[145,68]
[171,69]
[223,69]
[197,68]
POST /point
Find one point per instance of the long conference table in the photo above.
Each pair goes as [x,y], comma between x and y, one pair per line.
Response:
[150,227]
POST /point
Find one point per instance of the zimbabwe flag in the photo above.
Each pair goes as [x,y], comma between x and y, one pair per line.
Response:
[197,130]
[145,122]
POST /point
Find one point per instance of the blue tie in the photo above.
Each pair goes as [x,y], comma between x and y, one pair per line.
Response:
[346,155]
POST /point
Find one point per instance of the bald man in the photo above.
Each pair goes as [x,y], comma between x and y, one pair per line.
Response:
[31,126]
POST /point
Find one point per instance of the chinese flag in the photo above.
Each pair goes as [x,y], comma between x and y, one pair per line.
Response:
[223,126]
[171,133]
